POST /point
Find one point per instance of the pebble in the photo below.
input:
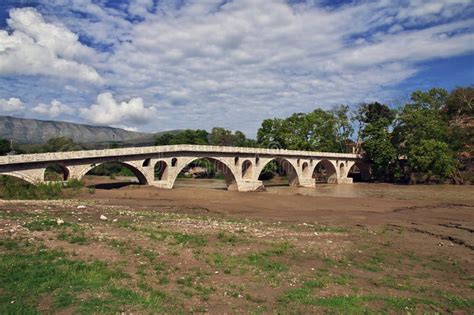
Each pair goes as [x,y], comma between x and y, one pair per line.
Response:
[103,217]
[59,221]
[81,207]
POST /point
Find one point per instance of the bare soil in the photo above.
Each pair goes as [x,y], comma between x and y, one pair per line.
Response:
[346,249]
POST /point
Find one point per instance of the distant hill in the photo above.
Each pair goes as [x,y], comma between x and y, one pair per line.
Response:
[33,131]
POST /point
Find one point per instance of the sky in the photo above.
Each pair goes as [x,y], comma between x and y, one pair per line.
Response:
[155,65]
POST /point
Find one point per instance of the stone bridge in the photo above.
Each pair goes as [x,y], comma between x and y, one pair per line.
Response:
[160,165]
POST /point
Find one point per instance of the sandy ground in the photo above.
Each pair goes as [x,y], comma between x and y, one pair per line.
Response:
[335,248]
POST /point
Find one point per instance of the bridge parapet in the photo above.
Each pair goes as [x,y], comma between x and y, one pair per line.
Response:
[71,155]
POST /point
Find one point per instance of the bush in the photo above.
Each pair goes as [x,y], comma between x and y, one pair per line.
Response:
[12,188]
[75,184]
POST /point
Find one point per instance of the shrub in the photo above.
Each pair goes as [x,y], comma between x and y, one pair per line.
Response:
[12,188]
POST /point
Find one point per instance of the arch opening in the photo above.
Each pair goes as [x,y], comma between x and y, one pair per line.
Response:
[247,170]
[359,172]
[146,163]
[324,172]
[174,162]
[112,175]
[56,173]
[279,172]
[161,170]
[205,172]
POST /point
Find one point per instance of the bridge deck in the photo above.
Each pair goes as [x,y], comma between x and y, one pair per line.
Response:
[72,155]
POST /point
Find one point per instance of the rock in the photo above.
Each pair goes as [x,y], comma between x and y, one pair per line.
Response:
[59,221]
[81,207]
[114,220]
[103,217]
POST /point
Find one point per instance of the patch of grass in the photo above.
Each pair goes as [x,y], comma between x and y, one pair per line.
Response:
[74,236]
[26,276]
[458,302]
[264,263]
[349,304]
[394,283]
[183,239]
[45,225]
[330,229]
[227,238]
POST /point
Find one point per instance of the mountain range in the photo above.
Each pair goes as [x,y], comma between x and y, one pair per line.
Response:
[33,131]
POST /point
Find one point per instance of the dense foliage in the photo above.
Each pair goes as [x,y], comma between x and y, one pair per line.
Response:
[218,136]
[319,130]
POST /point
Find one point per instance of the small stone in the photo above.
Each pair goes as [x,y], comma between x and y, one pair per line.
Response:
[81,207]
[103,217]
[114,220]
[59,221]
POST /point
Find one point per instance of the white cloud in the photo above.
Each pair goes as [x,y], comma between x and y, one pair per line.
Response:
[233,63]
[54,109]
[13,104]
[109,111]
[236,63]
[36,47]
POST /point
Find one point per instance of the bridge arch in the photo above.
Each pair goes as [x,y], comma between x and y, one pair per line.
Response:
[324,171]
[132,167]
[288,167]
[56,172]
[219,164]
[21,176]
[359,171]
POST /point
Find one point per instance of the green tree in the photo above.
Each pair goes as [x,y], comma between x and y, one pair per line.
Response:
[164,139]
[222,137]
[319,130]
[375,120]
[431,157]
[420,128]
[4,146]
[187,136]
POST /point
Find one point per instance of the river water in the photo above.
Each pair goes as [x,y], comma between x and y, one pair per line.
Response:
[443,193]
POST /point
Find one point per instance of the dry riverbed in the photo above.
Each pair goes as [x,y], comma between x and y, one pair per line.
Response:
[145,250]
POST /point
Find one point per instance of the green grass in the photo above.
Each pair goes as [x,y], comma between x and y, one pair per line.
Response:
[30,274]
[45,225]
[156,234]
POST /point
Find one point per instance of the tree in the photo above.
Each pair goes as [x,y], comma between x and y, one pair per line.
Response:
[190,136]
[344,127]
[163,139]
[431,157]
[422,127]
[375,120]
[319,130]
[460,103]
[4,146]
[222,137]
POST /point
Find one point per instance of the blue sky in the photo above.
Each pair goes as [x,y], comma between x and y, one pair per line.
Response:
[153,65]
